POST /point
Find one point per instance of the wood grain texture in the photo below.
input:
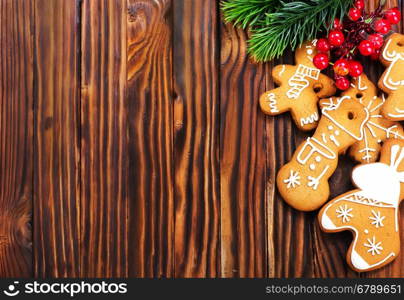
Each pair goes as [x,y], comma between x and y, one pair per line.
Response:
[16,134]
[56,139]
[150,107]
[132,139]
[196,139]
[104,249]
[242,159]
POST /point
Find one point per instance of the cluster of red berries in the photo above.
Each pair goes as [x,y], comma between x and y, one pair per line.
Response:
[360,33]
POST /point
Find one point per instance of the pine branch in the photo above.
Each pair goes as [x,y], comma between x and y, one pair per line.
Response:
[247,13]
[292,24]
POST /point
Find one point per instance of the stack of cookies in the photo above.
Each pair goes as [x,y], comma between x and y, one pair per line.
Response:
[362,120]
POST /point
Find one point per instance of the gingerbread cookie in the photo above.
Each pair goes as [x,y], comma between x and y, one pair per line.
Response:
[371,211]
[303,182]
[378,128]
[392,80]
[300,88]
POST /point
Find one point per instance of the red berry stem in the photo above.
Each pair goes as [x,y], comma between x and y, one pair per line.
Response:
[360,33]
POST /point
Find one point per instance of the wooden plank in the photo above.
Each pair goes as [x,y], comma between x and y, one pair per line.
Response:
[242,160]
[16,122]
[196,139]
[150,135]
[104,158]
[56,139]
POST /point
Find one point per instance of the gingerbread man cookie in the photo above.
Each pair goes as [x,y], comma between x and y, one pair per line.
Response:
[378,128]
[303,182]
[300,88]
[392,80]
[371,211]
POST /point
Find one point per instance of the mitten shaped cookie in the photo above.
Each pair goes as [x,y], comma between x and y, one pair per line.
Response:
[371,211]
[300,88]
[392,80]
[303,182]
[378,128]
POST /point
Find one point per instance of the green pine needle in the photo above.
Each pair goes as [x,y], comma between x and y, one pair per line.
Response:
[247,13]
[292,24]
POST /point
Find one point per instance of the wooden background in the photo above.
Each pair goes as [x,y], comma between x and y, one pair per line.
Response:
[132,145]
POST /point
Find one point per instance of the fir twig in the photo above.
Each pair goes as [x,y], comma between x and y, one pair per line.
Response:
[292,24]
[247,13]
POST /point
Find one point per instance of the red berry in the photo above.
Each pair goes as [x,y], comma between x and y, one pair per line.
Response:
[342,83]
[382,26]
[359,4]
[320,61]
[376,40]
[354,14]
[376,54]
[355,68]
[337,25]
[323,45]
[366,48]
[341,67]
[336,38]
[393,15]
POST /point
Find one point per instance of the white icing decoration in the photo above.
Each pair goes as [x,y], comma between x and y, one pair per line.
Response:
[334,140]
[380,181]
[309,51]
[366,231]
[377,219]
[344,213]
[336,132]
[272,103]
[326,223]
[331,106]
[298,81]
[393,58]
[357,261]
[330,127]
[318,158]
[312,166]
[370,128]
[316,146]
[315,181]
[388,130]
[374,247]
[360,87]
[293,180]
[311,119]
[282,70]
[399,115]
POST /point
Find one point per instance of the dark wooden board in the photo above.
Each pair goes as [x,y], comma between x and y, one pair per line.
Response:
[242,159]
[56,202]
[132,140]
[16,136]
[104,182]
[150,138]
[196,138]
